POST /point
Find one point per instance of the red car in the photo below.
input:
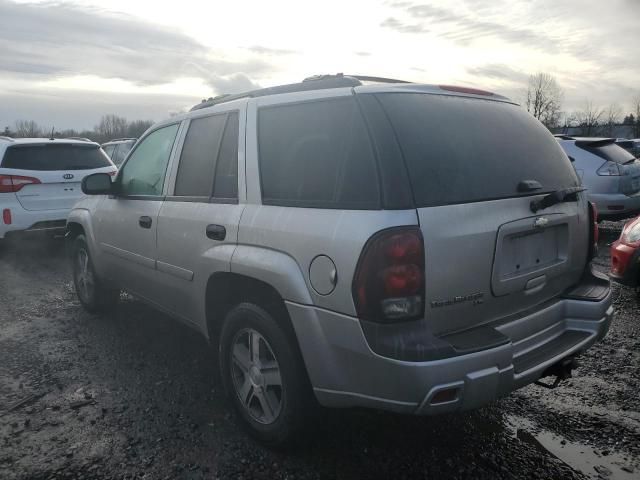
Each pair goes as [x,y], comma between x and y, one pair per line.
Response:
[625,255]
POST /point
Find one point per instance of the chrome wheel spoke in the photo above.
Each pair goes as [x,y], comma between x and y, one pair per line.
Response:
[246,391]
[256,376]
[254,342]
[271,375]
[268,410]
[241,357]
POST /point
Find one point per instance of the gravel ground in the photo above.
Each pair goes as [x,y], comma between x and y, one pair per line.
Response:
[134,394]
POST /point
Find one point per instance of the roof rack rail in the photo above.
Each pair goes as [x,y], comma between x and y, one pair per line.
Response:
[121,139]
[315,82]
[8,139]
[82,139]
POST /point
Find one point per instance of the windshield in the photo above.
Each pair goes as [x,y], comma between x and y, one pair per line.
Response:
[55,157]
[460,150]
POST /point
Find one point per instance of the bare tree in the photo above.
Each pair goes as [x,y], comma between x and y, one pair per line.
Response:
[111,126]
[136,128]
[27,129]
[544,99]
[613,118]
[589,118]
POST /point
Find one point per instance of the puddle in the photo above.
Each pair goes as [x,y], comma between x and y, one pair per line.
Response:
[578,456]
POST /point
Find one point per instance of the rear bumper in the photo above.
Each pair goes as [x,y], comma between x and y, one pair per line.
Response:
[345,372]
[615,206]
[33,222]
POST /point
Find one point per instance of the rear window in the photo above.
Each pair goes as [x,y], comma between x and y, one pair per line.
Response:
[55,157]
[608,151]
[317,154]
[461,150]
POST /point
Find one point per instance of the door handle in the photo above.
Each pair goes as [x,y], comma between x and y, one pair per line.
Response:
[216,232]
[145,222]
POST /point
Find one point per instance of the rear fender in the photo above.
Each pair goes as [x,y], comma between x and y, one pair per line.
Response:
[275,268]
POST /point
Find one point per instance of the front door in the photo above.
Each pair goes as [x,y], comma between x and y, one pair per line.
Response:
[126,223]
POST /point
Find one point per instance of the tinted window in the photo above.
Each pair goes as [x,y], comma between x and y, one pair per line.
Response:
[121,152]
[226,178]
[317,154]
[198,158]
[55,157]
[108,149]
[461,150]
[144,172]
[609,151]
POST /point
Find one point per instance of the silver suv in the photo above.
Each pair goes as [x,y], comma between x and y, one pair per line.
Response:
[413,248]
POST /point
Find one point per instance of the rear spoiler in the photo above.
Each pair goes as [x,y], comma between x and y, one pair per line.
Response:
[599,142]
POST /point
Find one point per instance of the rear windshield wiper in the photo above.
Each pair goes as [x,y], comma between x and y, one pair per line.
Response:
[559,196]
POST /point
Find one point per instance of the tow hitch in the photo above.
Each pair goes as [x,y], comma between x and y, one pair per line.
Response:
[561,370]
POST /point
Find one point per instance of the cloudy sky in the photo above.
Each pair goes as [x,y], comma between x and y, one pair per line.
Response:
[67,63]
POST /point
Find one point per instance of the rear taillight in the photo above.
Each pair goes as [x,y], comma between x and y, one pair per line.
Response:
[594,233]
[388,285]
[13,183]
[609,169]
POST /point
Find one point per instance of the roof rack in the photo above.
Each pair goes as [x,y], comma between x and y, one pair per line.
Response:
[8,139]
[316,82]
[121,139]
[82,139]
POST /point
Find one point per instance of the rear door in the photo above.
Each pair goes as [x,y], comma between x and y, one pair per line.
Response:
[475,166]
[198,222]
[58,167]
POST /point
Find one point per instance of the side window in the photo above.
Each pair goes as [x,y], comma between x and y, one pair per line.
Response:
[109,150]
[144,173]
[198,157]
[317,154]
[115,153]
[120,153]
[226,178]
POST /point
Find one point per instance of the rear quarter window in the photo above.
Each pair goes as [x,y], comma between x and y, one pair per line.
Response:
[461,150]
[55,157]
[317,154]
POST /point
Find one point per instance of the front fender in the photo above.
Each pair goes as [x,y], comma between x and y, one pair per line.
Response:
[275,268]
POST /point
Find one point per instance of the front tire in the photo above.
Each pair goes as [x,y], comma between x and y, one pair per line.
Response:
[264,376]
[91,291]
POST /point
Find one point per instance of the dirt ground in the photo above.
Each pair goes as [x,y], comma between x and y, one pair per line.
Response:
[134,394]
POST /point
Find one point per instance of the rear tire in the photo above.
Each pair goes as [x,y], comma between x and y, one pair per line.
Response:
[264,376]
[91,291]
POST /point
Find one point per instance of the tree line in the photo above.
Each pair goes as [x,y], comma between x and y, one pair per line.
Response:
[543,100]
[110,127]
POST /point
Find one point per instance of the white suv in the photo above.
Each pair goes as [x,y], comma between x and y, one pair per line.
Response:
[40,181]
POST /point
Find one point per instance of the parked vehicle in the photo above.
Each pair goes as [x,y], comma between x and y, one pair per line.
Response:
[610,173]
[632,146]
[414,248]
[118,149]
[625,255]
[40,181]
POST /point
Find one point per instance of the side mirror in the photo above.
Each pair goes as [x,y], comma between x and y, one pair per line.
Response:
[97,184]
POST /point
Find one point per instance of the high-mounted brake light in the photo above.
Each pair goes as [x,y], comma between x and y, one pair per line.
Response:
[472,91]
[389,282]
[14,183]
